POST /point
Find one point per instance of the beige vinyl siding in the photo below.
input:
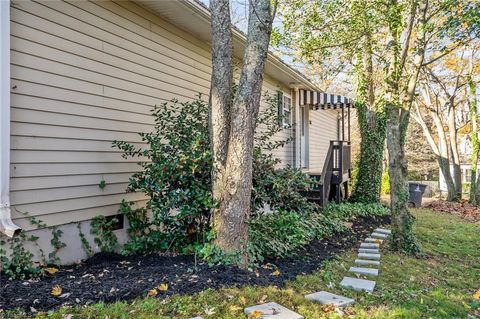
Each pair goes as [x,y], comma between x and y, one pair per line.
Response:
[323,128]
[85,74]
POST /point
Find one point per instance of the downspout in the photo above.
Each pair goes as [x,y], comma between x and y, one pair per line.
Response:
[7,226]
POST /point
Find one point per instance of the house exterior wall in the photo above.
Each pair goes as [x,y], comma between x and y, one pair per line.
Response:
[323,128]
[82,75]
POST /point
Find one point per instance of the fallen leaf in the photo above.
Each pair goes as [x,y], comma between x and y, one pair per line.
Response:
[243,300]
[235,308]
[163,287]
[276,273]
[477,295]
[263,299]
[56,291]
[209,311]
[50,270]
[256,314]
[328,308]
[152,292]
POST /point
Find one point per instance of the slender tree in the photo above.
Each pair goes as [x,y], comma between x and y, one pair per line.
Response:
[340,37]
[473,106]
[232,120]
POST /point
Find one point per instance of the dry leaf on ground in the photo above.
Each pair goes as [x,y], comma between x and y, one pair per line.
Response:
[56,291]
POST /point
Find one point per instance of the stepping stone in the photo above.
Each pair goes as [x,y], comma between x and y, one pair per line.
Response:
[197,317]
[369,256]
[383,231]
[364,262]
[370,245]
[326,298]
[373,240]
[379,235]
[274,311]
[358,284]
[364,271]
[368,251]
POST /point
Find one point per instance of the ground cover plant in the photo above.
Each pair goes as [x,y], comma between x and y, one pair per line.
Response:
[440,285]
[176,176]
[109,277]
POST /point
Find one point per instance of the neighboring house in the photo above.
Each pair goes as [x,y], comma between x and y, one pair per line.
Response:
[78,75]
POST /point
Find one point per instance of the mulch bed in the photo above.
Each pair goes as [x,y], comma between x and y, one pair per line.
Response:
[111,277]
[463,209]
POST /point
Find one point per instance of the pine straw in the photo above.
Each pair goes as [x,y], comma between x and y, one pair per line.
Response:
[463,209]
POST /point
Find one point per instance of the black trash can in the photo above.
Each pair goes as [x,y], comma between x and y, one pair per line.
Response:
[416,191]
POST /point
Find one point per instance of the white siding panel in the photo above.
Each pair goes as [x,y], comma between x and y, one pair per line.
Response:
[85,74]
[323,129]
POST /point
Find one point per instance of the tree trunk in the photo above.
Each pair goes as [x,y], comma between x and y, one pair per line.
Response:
[369,177]
[440,150]
[473,198]
[229,221]
[398,113]
[372,124]
[220,91]
[457,172]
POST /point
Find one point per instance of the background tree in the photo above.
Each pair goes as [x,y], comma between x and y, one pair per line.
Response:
[441,101]
[471,78]
[337,39]
[232,120]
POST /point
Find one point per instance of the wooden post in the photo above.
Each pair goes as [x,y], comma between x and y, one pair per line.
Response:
[343,122]
[348,115]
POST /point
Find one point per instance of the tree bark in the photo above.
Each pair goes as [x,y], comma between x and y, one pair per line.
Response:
[474,192]
[234,193]
[372,124]
[440,150]
[457,172]
[398,113]
[220,92]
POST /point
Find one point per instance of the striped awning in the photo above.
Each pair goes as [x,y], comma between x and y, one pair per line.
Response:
[321,100]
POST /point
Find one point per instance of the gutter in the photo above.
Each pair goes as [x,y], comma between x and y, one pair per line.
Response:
[7,226]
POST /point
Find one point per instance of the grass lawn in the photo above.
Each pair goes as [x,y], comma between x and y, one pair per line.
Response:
[438,286]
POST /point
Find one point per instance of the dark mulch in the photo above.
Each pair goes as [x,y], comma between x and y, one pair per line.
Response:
[111,277]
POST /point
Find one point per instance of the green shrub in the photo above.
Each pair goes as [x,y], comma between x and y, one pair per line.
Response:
[19,263]
[176,177]
[349,211]
[284,233]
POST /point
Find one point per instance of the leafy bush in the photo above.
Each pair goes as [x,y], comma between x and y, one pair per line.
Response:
[284,233]
[19,263]
[175,176]
[176,166]
[349,211]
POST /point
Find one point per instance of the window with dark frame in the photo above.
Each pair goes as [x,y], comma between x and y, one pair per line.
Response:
[284,108]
